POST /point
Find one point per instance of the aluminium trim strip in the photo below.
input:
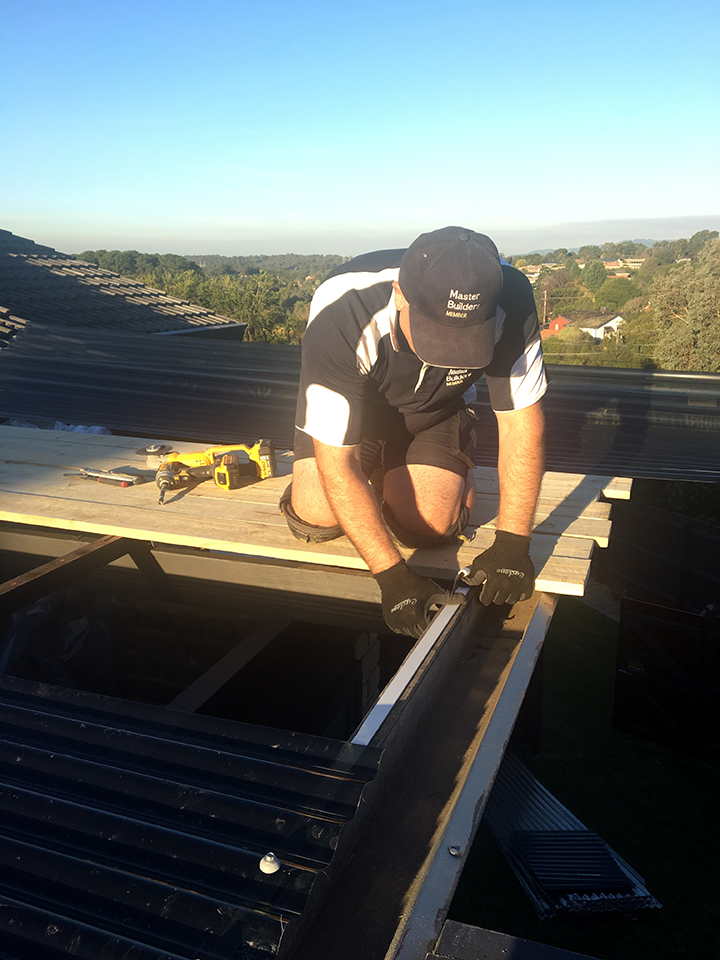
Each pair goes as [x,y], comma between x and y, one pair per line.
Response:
[401,680]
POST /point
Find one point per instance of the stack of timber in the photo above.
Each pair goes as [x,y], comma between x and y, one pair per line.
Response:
[39,486]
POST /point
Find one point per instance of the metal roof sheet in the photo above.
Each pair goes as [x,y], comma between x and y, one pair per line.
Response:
[599,420]
[131,829]
[169,387]
[563,867]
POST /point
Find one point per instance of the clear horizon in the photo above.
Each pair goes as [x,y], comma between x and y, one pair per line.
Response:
[276,128]
[511,243]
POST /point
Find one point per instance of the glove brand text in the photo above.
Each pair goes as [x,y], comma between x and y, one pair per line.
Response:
[403,603]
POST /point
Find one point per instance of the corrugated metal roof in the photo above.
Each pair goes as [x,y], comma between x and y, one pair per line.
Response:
[131,830]
[163,387]
[633,423]
[40,285]
[599,420]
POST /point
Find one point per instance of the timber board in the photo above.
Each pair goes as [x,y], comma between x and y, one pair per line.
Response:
[35,490]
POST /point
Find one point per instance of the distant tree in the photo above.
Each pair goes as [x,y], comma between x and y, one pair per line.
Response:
[698,240]
[589,252]
[615,293]
[89,256]
[663,252]
[687,305]
[634,307]
[609,251]
[639,333]
[571,346]
[130,263]
[625,249]
[572,268]
[594,275]
[545,273]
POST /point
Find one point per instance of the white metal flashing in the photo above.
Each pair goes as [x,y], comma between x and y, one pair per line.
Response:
[409,667]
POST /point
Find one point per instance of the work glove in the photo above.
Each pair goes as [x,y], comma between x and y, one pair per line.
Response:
[505,568]
[409,601]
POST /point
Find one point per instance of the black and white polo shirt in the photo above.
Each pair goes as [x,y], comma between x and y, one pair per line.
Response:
[353,350]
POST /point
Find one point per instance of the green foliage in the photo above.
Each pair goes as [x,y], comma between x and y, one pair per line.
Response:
[573,268]
[624,250]
[283,266]
[615,292]
[589,251]
[667,252]
[130,263]
[272,295]
[571,346]
[559,255]
[594,275]
[687,304]
[275,308]
[698,240]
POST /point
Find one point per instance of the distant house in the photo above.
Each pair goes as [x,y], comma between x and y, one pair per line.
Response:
[604,329]
[595,322]
[555,326]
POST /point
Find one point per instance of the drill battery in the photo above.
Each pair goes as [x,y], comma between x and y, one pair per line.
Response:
[228,475]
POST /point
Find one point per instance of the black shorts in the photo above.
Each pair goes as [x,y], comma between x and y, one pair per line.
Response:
[449,445]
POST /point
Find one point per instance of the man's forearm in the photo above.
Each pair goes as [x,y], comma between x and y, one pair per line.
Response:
[354,504]
[521,435]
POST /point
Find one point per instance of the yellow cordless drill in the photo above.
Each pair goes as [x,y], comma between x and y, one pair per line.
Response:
[221,464]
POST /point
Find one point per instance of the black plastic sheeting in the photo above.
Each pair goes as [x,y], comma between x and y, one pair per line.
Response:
[133,831]
[599,420]
[563,867]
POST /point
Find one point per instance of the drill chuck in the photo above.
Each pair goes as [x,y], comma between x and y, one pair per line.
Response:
[165,478]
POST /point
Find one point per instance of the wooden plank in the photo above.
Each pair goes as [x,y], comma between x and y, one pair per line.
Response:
[618,488]
[273,539]
[570,487]
[557,506]
[206,686]
[34,490]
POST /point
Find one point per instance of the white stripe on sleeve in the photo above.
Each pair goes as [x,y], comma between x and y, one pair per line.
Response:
[327,415]
[528,382]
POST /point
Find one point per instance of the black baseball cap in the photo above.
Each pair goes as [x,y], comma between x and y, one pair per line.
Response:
[452,280]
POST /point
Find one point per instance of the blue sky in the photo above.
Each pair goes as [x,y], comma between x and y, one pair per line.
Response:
[243,127]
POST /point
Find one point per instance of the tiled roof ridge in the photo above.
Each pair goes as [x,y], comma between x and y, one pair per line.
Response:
[98,281]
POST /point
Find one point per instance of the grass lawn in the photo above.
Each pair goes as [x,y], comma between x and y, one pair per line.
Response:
[657,807]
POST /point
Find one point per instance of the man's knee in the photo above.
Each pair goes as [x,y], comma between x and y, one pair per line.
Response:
[301,529]
[425,505]
[428,538]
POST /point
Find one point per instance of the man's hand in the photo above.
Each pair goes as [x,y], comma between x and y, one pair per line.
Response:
[407,599]
[505,568]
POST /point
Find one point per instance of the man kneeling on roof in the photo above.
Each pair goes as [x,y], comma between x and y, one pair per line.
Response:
[395,342]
